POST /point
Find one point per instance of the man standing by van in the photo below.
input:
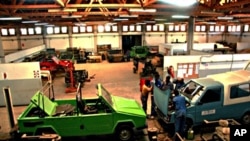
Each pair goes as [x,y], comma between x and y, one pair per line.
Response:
[179,104]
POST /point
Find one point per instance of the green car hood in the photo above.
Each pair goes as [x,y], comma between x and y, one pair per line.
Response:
[129,106]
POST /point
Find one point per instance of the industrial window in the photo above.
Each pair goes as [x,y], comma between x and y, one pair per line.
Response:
[246,28]
[197,28]
[114,28]
[31,31]
[171,27]
[56,30]
[211,28]
[100,28]
[82,29]
[183,27]
[89,29]
[203,28]
[107,28]
[12,31]
[49,30]
[155,27]
[64,29]
[177,28]
[148,28]
[238,91]
[138,28]
[23,31]
[75,29]
[4,31]
[132,28]
[125,28]
[38,30]
[161,27]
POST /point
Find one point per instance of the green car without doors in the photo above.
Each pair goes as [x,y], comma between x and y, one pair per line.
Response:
[105,114]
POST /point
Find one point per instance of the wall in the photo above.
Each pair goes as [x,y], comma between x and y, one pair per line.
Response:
[91,40]
[208,64]
[16,56]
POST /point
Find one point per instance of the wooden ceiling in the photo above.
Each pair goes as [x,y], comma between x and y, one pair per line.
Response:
[104,11]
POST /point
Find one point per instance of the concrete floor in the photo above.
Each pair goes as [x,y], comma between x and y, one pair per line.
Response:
[118,78]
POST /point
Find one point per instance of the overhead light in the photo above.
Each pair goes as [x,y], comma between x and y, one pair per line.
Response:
[168,23]
[211,22]
[141,10]
[149,21]
[158,19]
[182,3]
[180,17]
[225,18]
[10,18]
[49,25]
[140,23]
[41,23]
[210,12]
[26,22]
[71,16]
[62,10]
[128,16]
[120,19]
[80,24]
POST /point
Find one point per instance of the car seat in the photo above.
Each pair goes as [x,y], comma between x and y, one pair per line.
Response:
[82,107]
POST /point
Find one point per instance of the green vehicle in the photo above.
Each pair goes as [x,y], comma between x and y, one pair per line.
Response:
[139,52]
[106,114]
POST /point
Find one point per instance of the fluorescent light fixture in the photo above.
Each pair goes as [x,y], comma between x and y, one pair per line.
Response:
[211,22]
[140,23]
[180,17]
[168,23]
[27,22]
[41,23]
[49,25]
[80,24]
[10,18]
[128,16]
[158,19]
[149,21]
[62,10]
[141,10]
[71,16]
[225,18]
[181,3]
[120,19]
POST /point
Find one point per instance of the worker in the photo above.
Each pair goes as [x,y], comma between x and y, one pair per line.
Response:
[170,72]
[146,89]
[179,82]
[168,84]
[179,104]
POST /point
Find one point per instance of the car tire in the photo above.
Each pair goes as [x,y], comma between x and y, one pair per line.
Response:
[246,118]
[124,133]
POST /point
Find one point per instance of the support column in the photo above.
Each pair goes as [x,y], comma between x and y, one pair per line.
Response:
[2,58]
[95,38]
[70,37]
[45,41]
[19,40]
[190,36]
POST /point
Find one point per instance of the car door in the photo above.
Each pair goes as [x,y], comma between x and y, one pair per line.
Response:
[209,107]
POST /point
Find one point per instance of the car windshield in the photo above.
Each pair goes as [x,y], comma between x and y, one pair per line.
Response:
[191,89]
[106,95]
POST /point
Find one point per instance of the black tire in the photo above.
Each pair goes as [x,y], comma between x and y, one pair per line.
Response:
[124,133]
[246,118]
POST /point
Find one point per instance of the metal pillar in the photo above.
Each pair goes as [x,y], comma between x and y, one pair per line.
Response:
[190,36]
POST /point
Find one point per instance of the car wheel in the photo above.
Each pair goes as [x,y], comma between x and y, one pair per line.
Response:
[246,118]
[124,133]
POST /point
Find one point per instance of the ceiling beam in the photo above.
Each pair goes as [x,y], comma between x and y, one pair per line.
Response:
[83,6]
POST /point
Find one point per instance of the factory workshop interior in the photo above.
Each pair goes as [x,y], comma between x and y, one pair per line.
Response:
[89,70]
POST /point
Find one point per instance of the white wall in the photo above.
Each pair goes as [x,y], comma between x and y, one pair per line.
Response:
[108,38]
[83,41]
[59,42]
[154,38]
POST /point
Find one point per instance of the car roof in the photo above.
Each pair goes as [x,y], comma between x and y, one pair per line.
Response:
[231,78]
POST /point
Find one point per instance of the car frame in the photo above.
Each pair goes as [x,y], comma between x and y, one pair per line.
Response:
[106,114]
